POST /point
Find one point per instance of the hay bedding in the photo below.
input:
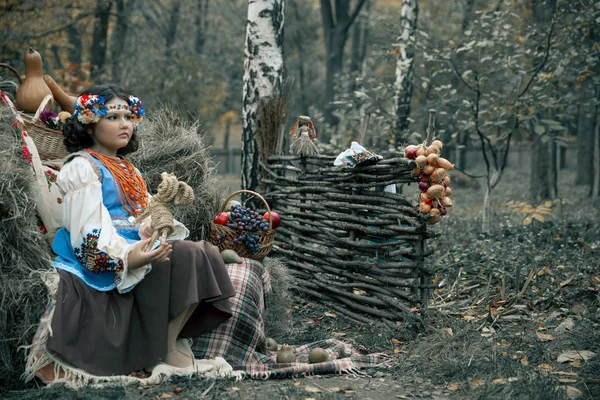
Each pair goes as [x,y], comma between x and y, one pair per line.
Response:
[23,253]
[168,143]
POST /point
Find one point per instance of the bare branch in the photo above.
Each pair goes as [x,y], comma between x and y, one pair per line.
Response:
[457,72]
[355,14]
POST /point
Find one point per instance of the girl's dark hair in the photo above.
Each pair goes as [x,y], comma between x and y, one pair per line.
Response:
[78,136]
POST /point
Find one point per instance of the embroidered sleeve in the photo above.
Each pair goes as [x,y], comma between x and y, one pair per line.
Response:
[94,239]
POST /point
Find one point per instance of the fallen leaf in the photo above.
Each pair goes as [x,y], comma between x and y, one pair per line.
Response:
[596,280]
[567,380]
[476,383]
[359,292]
[574,355]
[565,326]
[573,392]
[177,390]
[453,387]
[524,360]
[575,363]
[468,318]
[396,342]
[565,373]
[235,389]
[330,315]
[545,367]
[312,389]
[165,396]
[297,383]
[544,337]
[565,283]
[448,333]
[337,389]
[414,309]
[502,381]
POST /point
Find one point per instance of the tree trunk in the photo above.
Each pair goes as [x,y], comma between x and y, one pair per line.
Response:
[299,42]
[543,153]
[119,36]
[100,39]
[263,67]
[543,169]
[404,67]
[463,139]
[336,30]
[596,160]
[170,41]
[74,44]
[585,136]
[360,35]
[201,25]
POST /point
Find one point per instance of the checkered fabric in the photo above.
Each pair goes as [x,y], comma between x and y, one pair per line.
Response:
[241,340]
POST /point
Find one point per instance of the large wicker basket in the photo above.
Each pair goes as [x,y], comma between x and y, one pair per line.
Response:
[49,142]
[265,237]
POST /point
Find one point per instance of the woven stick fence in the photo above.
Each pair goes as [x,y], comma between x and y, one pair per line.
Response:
[349,244]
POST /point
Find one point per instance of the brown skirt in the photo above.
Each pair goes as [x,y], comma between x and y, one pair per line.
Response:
[107,333]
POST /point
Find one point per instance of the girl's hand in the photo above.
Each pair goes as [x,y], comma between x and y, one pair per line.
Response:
[138,257]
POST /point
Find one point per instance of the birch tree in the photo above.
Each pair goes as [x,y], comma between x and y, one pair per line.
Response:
[263,67]
[404,66]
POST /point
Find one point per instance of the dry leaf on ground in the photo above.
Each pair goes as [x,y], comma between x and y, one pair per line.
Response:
[574,355]
[453,387]
[312,389]
[476,383]
[573,392]
[567,325]
[544,337]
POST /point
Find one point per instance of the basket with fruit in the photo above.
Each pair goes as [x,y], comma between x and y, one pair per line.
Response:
[243,229]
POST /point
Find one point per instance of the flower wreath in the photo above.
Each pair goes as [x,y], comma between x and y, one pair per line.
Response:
[89,108]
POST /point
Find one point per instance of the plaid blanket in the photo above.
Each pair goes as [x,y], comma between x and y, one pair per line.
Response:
[241,340]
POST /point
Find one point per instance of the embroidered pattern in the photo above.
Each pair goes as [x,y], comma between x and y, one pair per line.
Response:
[95,260]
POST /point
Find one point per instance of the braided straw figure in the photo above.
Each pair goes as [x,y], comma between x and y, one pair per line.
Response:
[169,190]
[303,137]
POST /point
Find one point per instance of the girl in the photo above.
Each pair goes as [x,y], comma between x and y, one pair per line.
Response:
[119,308]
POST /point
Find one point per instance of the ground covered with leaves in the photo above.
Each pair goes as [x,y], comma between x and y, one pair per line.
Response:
[516,314]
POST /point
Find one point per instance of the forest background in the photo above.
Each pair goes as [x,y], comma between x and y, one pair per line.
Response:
[499,73]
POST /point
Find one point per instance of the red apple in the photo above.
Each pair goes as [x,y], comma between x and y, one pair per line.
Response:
[222,218]
[275,217]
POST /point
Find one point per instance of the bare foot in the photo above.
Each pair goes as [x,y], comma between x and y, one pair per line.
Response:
[178,359]
[183,345]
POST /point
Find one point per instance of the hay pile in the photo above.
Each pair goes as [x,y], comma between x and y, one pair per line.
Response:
[278,321]
[23,250]
[168,143]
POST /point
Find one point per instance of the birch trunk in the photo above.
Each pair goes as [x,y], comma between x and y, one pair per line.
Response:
[263,69]
[404,66]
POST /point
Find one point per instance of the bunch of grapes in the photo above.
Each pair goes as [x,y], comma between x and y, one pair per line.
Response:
[246,220]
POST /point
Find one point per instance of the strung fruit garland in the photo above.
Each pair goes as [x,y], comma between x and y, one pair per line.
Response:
[435,181]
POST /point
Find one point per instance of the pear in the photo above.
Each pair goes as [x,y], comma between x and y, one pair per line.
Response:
[284,357]
[318,355]
[231,257]
[272,344]
[287,348]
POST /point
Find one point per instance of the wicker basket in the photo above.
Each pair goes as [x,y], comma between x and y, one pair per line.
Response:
[49,142]
[265,238]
